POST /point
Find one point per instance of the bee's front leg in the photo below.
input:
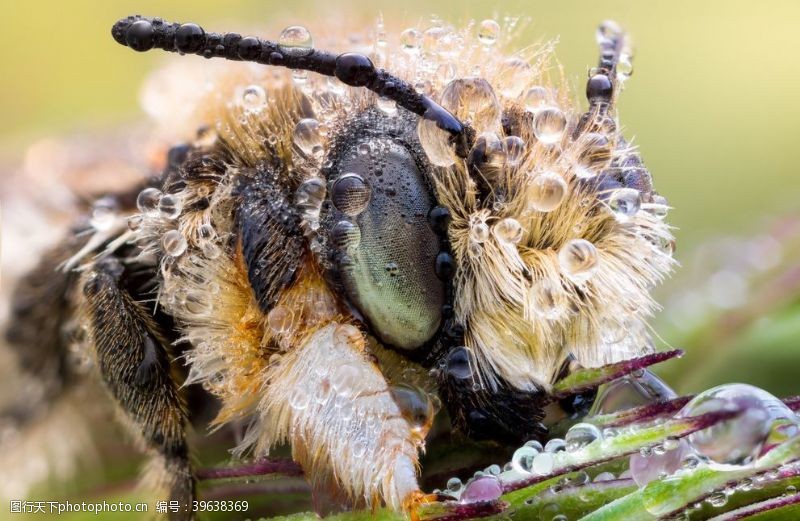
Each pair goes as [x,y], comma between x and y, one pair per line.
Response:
[347,427]
[133,361]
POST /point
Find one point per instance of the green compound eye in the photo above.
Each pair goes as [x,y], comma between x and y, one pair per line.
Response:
[385,246]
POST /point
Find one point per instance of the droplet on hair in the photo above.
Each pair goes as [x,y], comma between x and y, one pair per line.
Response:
[307,138]
[473,101]
[508,230]
[411,40]
[536,98]
[488,32]
[548,191]
[549,124]
[147,200]
[578,259]
[170,206]
[625,203]
[279,319]
[173,243]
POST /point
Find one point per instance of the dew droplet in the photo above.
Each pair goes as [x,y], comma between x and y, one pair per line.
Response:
[473,101]
[549,124]
[548,191]
[488,32]
[578,259]
[299,399]
[645,469]
[515,150]
[478,231]
[387,106]
[454,485]
[522,460]
[307,138]
[279,319]
[592,154]
[350,194]
[436,143]
[741,439]
[411,40]
[512,77]
[580,435]
[309,197]
[104,213]
[543,463]
[625,203]
[147,200]
[536,98]
[170,206]
[254,98]
[345,379]
[173,243]
[296,40]
[555,445]
[206,232]
[345,235]
[508,230]
[483,488]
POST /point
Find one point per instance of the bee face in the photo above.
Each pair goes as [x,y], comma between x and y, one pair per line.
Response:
[327,239]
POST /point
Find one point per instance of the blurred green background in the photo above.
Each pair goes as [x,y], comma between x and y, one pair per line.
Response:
[712,104]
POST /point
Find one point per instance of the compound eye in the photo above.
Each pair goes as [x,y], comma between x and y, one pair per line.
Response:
[384,248]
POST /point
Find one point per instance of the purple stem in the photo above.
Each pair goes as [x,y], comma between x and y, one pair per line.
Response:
[260,467]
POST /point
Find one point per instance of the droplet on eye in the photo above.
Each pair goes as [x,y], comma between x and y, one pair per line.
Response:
[548,191]
[173,243]
[625,203]
[254,98]
[473,101]
[549,124]
[578,259]
[350,194]
[345,235]
[508,230]
[307,138]
[296,40]
[488,32]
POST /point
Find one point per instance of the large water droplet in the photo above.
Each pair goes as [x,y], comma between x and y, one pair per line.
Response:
[173,243]
[512,78]
[578,259]
[488,32]
[436,143]
[549,124]
[307,138]
[350,194]
[548,191]
[543,463]
[296,40]
[741,439]
[645,469]
[484,488]
[625,203]
[580,435]
[508,230]
[473,100]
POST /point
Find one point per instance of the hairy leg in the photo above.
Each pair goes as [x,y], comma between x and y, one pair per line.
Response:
[134,363]
[348,428]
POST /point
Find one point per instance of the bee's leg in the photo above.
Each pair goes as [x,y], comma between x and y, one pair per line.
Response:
[135,366]
[346,425]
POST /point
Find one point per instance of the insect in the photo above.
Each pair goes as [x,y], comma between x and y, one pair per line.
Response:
[336,253]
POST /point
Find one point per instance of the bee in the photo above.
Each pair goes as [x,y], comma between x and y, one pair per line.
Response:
[335,254]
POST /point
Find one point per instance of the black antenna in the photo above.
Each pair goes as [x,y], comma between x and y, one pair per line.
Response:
[142,34]
[612,41]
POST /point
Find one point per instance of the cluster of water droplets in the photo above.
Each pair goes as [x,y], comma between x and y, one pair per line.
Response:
[153,204]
